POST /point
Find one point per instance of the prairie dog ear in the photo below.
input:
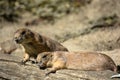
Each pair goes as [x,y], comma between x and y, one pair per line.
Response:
[29,32]
[50,55]
[40,38]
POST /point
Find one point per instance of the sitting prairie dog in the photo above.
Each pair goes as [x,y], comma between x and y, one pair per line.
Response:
[34,43]
[75,60]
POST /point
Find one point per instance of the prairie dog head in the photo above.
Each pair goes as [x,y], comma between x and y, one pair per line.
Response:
[44,60]
[23,35]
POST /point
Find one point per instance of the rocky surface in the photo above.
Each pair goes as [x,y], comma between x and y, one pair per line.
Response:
[11,69]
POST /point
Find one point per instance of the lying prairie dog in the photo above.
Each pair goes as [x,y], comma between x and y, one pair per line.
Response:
[75,60]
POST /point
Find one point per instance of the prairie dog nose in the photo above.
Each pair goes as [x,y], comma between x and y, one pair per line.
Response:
[41,66]
[17,39]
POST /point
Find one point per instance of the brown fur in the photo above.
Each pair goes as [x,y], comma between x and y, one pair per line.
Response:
[75,60]
[34,43]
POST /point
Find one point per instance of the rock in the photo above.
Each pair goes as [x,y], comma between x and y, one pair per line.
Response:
[10,69]
[116,76]
[8,46]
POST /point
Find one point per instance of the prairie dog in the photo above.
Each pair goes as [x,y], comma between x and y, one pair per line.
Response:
[75,60]
[34,43]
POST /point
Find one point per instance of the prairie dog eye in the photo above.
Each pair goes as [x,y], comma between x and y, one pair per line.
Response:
[23,32]
[44,56]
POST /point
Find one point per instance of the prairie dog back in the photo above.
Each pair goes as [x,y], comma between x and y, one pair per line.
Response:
[89,61]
